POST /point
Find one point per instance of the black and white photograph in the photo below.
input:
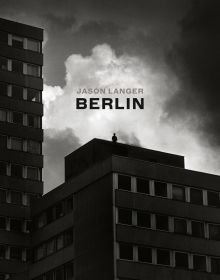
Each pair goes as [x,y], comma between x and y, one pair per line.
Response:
[109,140]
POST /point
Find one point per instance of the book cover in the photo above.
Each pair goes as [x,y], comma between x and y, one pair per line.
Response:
[141,74]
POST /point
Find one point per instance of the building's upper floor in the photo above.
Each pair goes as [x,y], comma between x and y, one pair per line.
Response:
[21,29]
[20,36]
[97,150]
[21,57]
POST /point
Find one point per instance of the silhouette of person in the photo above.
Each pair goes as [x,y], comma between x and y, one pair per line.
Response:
[114,138]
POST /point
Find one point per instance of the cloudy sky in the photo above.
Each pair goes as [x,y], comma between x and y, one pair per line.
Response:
[170,48]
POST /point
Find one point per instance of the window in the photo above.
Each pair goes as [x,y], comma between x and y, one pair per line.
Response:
[163,257]
[180,226]
[162,222]
[2,196]
[3,63]
[17,42]
[15,225]
[60,241]
[179,193]
[214,232]
[2,115]
[160,189]
[16,144]
[215,265]
[196,196]
[32,173]
[143,185]
[33,95]
[50,248]
[3,168]
[33,121]
[59,273]
[17,92]
[3,37]
[33,147]
[40,252]
[3,141]
[69,204]
[17,66]
[198,229]
[33,70]
[3,89]
[199,262]
[29,256]
[2,251]
[16,170]
[69,271]
[145,254]
[2,222]
[213,198]
[49,275]
[181,260]
[16,253]
[17,118]
[28,227]
[68,237]
[124,182]
[50,215]
[144,219]
[33,45]
[126,251]
[59,210]
[16,198]
[125,216]
[42,219]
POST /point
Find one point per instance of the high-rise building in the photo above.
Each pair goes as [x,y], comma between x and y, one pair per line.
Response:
[123,212]
[21,137]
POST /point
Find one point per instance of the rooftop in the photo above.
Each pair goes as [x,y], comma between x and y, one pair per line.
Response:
[97,150]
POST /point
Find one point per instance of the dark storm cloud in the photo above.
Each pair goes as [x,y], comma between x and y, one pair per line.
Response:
[63,23]
[144,27]
[195,59]
[56,146]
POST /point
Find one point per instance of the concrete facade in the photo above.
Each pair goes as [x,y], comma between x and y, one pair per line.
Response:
[128,217]
[21,137]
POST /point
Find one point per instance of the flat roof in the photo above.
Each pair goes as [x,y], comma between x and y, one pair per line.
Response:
[97,150]
[21,29]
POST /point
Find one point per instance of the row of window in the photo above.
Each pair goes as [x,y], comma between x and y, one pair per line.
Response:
[17,225]
[14,253]
[54,244]
[20,171]
[20,93]
[20,118]
[20,67]
[20,144]
[166,223]
[64,272]
[54,212]
[16,197]
[167,257]
[170,191]
[19,42]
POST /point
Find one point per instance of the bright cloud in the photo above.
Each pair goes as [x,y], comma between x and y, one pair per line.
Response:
[104,69]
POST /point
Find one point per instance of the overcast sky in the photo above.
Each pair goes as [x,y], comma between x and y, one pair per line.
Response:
[170,48]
